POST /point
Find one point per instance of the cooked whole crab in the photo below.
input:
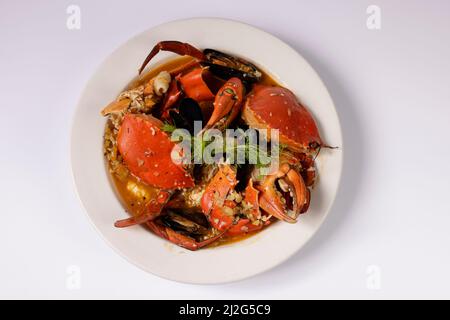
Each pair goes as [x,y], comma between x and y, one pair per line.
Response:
[196,205]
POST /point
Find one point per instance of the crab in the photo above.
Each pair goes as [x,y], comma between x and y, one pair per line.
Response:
[147,150]
[284,193]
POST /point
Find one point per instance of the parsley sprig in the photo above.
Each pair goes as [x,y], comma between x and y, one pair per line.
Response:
[250,150]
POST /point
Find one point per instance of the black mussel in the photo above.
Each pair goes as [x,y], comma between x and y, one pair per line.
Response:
[179,121]
[197,217]
[225,66]
[227,73]
[183,225]
[188,112]
[190,109]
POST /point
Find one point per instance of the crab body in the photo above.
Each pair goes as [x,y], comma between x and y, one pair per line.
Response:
[271,107]
[147,151]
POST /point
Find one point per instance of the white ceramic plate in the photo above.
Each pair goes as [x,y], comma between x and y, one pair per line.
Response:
[226,263]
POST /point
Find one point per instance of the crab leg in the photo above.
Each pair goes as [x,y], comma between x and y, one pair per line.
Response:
[173,95]
[184,67]
[218,210]
[180,239]
[152,211]
[175,47]
[116,106]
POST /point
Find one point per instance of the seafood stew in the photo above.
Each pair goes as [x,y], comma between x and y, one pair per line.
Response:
[196,204]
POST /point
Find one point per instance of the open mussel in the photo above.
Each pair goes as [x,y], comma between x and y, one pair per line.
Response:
[183,225]
[225,66]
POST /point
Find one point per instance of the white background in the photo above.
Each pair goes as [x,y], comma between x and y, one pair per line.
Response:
[392,91]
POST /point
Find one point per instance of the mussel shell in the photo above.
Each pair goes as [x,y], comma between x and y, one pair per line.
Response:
[226,66]
[183,225]
[227,73]
[179,121]
[188,112]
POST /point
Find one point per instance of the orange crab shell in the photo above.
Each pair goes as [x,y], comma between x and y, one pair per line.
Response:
[146,151]
[270,107]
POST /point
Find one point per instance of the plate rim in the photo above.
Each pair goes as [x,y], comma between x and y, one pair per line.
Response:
[127,258]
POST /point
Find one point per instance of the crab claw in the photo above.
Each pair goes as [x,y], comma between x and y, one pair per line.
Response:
[284,194]
[146,150]
[199,84]
[227,103]
[218,210]
[252,211]
[177,47]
